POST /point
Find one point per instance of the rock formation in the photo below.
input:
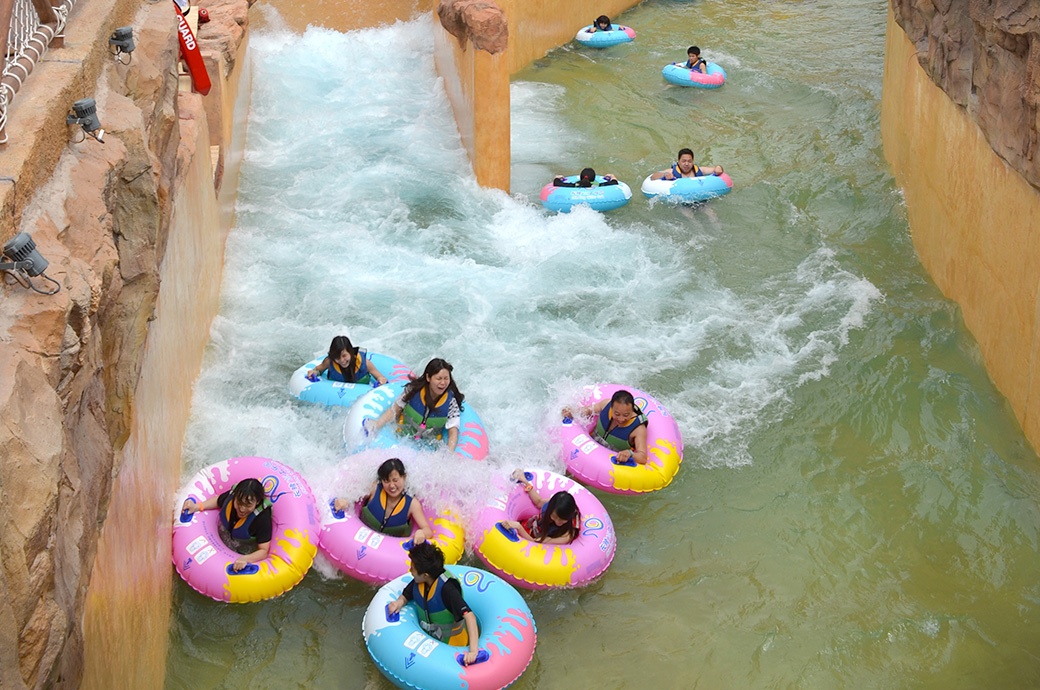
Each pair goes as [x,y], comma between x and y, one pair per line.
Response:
[70,362]
[985,54]
[479,21]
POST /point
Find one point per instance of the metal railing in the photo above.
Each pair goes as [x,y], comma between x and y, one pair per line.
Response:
[32,28]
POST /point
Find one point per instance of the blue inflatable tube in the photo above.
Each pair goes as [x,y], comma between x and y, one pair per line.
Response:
[410,658]
[604,39]
[679,75]
[601,198]
[327,392]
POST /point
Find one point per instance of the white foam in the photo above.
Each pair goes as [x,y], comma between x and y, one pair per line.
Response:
[358,214]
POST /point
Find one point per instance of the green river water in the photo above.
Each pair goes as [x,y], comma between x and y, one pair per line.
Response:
[857,507]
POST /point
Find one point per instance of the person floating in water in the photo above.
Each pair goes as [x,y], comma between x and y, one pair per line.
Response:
[587,178]
[694,60]
[429,408]
[347,364]
[388,509]
[620,425]
[558,520]
[245,520]
[443,613]
[602,23]
[685,167]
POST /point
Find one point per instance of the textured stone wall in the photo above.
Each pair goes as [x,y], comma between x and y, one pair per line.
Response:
[973,219]
[985,54]
[71,363]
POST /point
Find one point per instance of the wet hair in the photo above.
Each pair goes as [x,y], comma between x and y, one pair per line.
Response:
[563,504]
[602,19]
[586,177]
[434,367]
[427,558]
[248,488]
[625,398]
[695,50]
[389,466]
[685,151]
[336,348]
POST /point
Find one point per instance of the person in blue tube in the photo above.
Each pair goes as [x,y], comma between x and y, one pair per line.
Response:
[430,407]
[443,613]
[602,23]
[245,520]
[586,178]
[694,60]
[347,364]
[685,167]
[620,426]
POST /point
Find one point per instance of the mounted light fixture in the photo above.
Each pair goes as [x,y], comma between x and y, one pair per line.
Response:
[85,115]
[122,42]
[26,262]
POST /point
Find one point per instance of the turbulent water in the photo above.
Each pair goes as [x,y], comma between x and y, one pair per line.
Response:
[857,506]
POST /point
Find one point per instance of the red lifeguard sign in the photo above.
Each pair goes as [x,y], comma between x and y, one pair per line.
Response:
[191,54]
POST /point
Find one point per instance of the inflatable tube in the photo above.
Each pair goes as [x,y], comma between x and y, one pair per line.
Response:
[594,464]
[600,198]
[412,659]
[377,558]
[676,74]
[204,561]
[327,392]
[604,39]
[531,565]
[473,440]
[689,189]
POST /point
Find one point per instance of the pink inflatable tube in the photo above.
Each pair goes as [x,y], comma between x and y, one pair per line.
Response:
[596,465]
[532,565]
[204,561]
[377,558]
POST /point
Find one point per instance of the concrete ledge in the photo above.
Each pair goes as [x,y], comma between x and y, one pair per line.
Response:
[36,127]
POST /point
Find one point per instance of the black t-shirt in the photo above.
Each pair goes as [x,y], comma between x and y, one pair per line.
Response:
[451,596]
[260,528]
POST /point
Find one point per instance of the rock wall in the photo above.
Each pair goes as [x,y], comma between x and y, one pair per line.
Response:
[477,83]
[973,218]
[72,411]
[985,54]
[479,44]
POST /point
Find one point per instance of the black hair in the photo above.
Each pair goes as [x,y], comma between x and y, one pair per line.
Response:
[434,367]
[695,50]
[565,507]
[248,488]
[427,558]
[389,466]
[586,177]
[339,344]
[602,19]
[623,396]
[685,151]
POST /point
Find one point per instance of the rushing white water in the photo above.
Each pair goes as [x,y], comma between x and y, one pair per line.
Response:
[358,215]
[815,374]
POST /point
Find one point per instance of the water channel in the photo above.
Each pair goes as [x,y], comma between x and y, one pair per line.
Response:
[857,506]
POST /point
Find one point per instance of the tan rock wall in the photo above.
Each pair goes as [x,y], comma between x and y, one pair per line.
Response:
[477,84]
[128,227]
[479,44]
[985,54]
[975,222]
